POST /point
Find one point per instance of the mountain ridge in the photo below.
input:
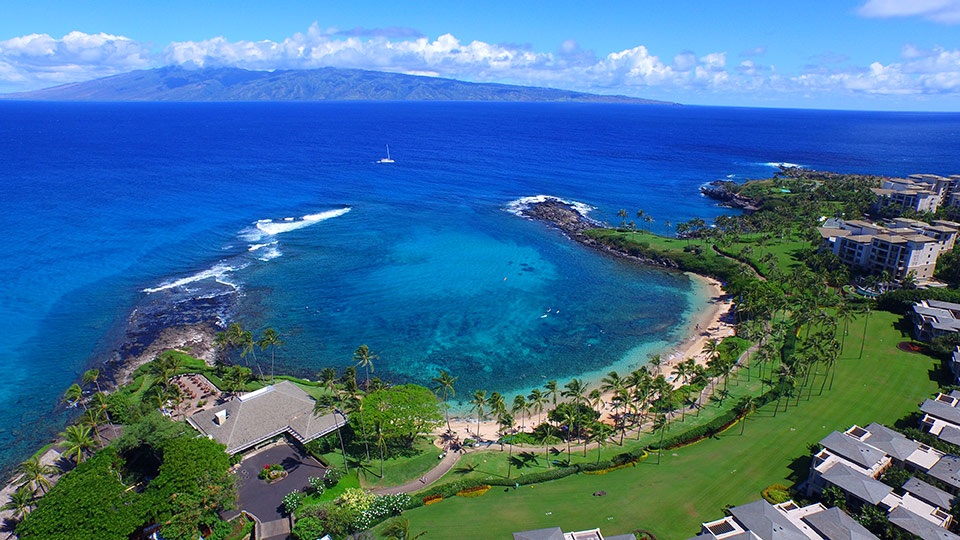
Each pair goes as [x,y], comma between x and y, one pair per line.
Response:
[174,83]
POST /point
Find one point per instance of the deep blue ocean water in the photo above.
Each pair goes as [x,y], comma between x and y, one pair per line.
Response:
[418,259]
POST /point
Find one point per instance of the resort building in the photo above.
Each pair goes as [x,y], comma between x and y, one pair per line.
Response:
[941,417]
[919,192]
[556,533]
[785,521]
[933,319]
[904,247]
[846,451]
[914,524]
[260,416]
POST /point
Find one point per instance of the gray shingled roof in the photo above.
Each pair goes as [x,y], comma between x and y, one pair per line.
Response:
[859,485]
[852,449]
[765,521]
[910,522]
[893,443]
[621,537]
[834,524]
[950,434]
[941,410]
[947,469]
[258,416]
[926,492]
[551,533]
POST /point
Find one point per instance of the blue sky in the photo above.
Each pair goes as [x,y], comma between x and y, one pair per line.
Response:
[851,54]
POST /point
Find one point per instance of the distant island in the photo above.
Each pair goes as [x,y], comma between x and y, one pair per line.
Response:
[324,84]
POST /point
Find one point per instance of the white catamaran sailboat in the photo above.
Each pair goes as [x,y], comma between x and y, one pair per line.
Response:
[386,159]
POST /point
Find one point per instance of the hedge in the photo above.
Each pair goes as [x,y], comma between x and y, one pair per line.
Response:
[901,300]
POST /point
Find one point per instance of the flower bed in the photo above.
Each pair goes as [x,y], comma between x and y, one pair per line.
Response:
[475,491]
[432,499]
[272,472]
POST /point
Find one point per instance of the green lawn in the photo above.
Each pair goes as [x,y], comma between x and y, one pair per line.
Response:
[694,483]
[401,469]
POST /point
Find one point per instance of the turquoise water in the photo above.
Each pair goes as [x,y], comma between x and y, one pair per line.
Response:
[118,209]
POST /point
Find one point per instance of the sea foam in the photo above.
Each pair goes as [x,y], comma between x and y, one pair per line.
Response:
[518,206]
[217,272]
[782,164]
[271,227]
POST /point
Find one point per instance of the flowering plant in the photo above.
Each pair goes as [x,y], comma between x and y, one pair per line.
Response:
[272,471]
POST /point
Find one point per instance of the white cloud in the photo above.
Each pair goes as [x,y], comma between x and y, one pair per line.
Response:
[941,11]
[39,60]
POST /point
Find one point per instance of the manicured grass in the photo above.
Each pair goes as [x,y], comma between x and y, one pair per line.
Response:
[694,483]
[401,469]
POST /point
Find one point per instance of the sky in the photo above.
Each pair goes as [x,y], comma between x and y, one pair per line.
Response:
[828,54]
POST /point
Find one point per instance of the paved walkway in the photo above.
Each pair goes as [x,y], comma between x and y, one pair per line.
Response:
[432,476]
[278,529]
[451,458]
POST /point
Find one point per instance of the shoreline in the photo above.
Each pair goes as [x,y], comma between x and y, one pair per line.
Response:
[713,321]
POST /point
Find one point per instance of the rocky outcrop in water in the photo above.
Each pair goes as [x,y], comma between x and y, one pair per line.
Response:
[573,222]
[719,190]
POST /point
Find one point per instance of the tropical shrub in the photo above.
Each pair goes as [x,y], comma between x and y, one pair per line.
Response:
[292,501]
[776,494]
[315,485]
[332,477]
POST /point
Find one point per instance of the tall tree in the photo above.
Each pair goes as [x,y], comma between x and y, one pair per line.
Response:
[519,407]
[74,396]
[35,472]
[364,358]
[478,401]
[270,339]
[537,399]
[444,387]
[77,442]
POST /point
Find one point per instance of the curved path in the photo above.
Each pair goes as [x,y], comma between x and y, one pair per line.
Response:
[451,458]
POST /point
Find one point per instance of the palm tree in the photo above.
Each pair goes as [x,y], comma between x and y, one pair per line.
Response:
[270,339]
[74,395]
[444,388]
[497,406]
[478,401]
[744,407]
[100,402]
[575,390]
[399,529]
[355,405]
[77,441]
[553,390]
[235,379]
[91,376]
[320,408]
[91,418]
[600,432]
[656,362]
[622,214]
[381,445]
[663,425]
[20,501]
[546,433]
[364,358]
[536,400]
[614,384]
[520,407]
[249,347]
[35,472]
[569,419]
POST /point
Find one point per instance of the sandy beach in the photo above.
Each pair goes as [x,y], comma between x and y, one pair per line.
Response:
[712,322]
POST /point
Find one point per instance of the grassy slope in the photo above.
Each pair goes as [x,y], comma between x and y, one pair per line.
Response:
[694,483]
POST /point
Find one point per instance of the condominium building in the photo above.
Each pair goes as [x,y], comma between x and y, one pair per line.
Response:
[903,247]
[919,192]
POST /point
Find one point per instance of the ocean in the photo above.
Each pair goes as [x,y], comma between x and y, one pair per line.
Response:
[278,214]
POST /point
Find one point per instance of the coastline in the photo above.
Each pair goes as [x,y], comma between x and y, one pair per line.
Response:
[711,321]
